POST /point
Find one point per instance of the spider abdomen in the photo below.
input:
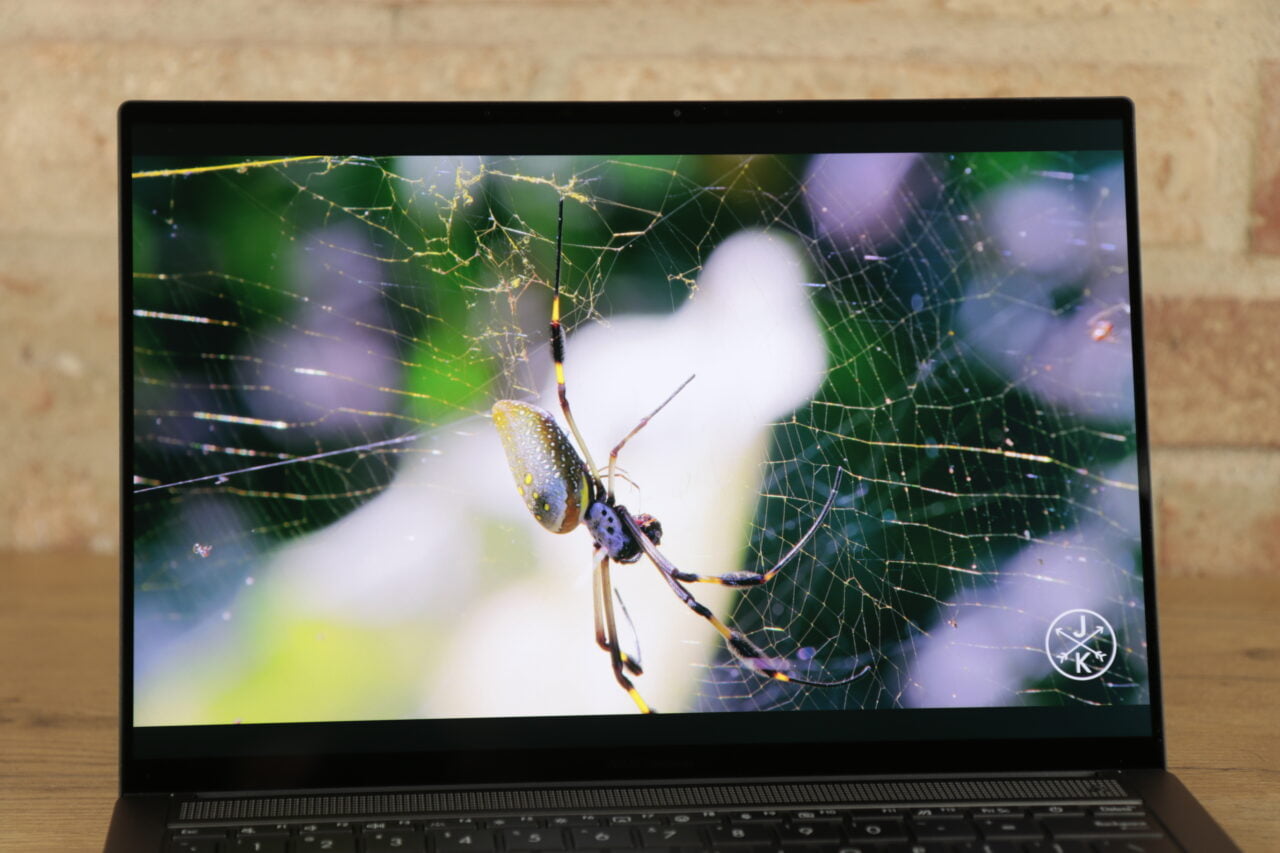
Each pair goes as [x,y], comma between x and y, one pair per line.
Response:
[550,475]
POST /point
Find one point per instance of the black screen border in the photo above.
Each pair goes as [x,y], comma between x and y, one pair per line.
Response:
[630,748]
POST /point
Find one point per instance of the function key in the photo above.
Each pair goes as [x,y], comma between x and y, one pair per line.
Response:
[938,811]
[999,811]
[1121,810]
[388,824]
[273,830]
[1057,811]
[510,822]
[883,811]
[569,821]
[634,820]
[693,818]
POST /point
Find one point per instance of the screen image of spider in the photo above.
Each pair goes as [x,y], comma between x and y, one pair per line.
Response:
[562,489]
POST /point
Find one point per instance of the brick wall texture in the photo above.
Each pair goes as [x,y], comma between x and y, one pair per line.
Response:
[1205,76]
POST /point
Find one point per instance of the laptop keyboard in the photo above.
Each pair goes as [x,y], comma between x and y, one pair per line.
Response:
[942,829]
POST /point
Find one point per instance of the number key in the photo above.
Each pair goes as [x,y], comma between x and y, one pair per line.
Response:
[611,837]
[393,841]
[533,839]
[330,842]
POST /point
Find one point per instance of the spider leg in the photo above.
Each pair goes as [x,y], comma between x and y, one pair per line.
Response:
[613,455]
[752,578]
[604,604]
[742,648]
[602,638]
[557,346]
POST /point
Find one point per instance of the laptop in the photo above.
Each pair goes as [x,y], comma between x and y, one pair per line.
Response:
[679,476]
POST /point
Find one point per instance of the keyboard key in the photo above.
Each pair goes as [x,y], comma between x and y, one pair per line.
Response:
[462,840]
[634,820]
[1136,845]
[938,811]
[533,838]
[740,834]
[326,827]
[392,841]
[277,830]
[329,842]
[568,821]
[989,847]
[998,811]
[877,830]
[693,818]
[1057,811]
[260,844]
[1101,827]
[1010,829]
[520,822]
[1059,847]
[1128,809]
[943,829]
[196,845]
[603,837]
[811,831]
[678,835]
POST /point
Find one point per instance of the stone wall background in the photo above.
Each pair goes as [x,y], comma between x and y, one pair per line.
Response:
[1205,75]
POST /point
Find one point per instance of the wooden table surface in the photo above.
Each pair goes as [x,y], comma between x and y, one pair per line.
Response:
[58,645]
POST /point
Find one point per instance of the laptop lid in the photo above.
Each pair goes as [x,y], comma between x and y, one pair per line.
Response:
[874,366]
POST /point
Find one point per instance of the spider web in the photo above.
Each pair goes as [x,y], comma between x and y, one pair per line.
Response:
[325,528]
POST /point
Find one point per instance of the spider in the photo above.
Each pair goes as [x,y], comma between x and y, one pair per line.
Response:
[563,491]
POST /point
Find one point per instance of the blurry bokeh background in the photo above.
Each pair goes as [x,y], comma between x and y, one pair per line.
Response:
[319,498]
[1205,75]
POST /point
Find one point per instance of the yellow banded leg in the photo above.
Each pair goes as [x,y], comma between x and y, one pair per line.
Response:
[557,347]
[604,601]
[602,640]
[743,579]
[742,648]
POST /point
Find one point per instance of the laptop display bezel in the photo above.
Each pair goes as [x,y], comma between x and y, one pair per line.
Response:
[630,748]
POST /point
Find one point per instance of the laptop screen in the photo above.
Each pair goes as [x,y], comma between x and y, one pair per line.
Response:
[847,424]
